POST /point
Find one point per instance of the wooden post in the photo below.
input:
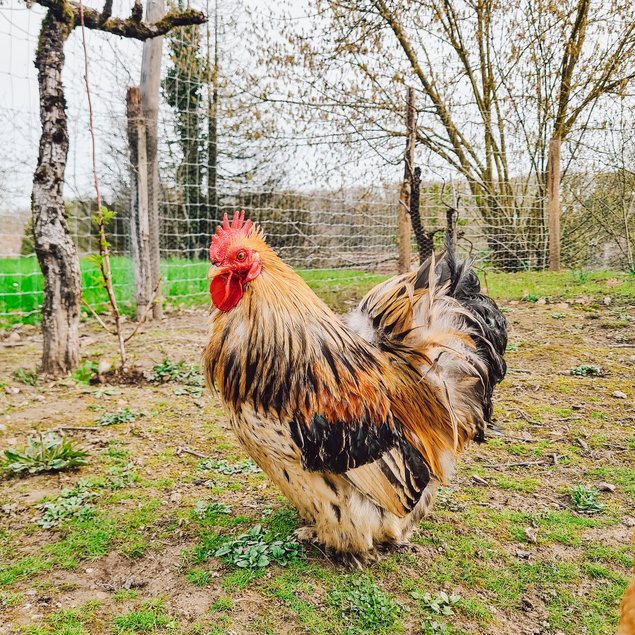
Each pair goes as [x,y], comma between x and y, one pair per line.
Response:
[139,218]
[404,232]
[553,203]
[149,86]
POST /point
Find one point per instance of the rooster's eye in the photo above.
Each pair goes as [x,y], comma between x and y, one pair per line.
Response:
[241,255]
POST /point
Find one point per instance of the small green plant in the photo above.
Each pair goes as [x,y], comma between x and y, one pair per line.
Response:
[86,372]
[120,476]
[48,452]
[436,628]
[586,499]
[257,549]
[224,467]
[124,415]
[579,277]
[365,605]
[190,376]
[203,509]
[557,316]
[28,377]
[441,603]
[512,348]
[587,370]
[530,297]
[71,503]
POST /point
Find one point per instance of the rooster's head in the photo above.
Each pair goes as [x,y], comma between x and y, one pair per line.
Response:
[235,258]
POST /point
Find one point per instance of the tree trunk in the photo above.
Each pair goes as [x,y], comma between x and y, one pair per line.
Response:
[53,244]
[139,217]
[553,203]
[150,85]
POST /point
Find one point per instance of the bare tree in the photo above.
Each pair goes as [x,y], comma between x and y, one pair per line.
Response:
[499,84]
[53,244]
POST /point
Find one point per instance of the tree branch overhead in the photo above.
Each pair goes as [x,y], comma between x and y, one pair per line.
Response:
[132,27]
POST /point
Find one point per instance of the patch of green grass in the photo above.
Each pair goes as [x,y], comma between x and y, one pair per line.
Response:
[528,484]
[86,539]
[48,452]
[198,577]
[24,567]
[222,604]
[66,622]
[125,595]
[622,476]
[543,284]
[148,618]
[240,579]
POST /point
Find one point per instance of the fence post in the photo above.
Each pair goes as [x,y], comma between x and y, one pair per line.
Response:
[404,233]
[139,219]
[553,203]
[149,86]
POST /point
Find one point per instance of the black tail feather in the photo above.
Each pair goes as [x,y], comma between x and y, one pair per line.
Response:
[488,323]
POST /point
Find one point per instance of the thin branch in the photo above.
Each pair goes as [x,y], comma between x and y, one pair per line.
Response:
[104,260]
[145,313]
[96,316]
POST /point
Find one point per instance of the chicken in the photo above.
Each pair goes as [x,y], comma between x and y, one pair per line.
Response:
[357,421]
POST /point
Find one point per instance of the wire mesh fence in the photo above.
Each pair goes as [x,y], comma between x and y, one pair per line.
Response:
[215,159]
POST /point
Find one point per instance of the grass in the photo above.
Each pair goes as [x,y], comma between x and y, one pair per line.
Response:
[149,539]
[185,284]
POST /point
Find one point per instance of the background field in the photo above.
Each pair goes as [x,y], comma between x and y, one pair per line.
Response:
[185,284]
[505,535]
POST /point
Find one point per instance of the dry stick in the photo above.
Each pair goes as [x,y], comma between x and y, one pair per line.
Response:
[145,313]
[96,316]
[520,464]
[79,428]
[104,261]
[180,450]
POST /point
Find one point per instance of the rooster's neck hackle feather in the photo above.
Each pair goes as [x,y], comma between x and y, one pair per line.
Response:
[283,351]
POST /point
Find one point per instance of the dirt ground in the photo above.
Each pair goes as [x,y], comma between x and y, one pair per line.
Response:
[506,536]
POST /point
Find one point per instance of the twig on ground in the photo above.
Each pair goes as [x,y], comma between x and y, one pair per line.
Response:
[79,428]
[496,466]
[181,450]
[519,370]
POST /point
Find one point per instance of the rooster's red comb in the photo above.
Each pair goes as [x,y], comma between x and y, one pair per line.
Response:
[226,233]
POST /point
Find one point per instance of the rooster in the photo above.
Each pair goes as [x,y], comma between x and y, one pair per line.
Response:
[359,420]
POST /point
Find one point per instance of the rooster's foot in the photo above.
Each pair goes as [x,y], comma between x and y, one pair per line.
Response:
[305,534]
[357,561]
[400,547]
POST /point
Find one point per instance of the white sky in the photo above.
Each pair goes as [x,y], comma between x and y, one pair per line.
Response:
[113,64]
